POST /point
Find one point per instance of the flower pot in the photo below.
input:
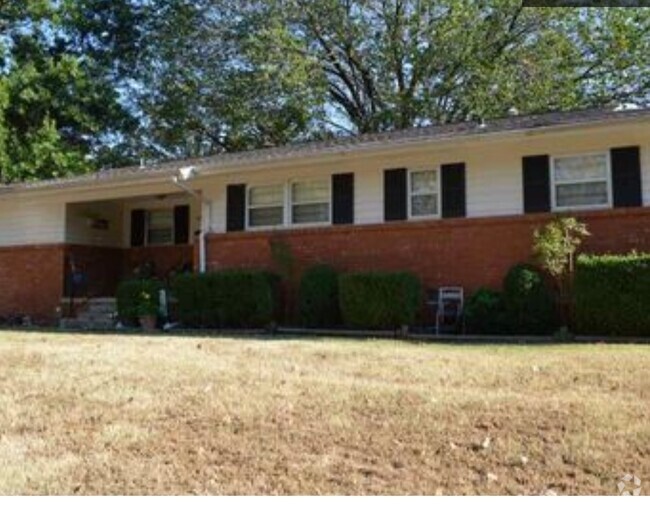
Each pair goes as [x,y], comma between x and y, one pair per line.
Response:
[148,323]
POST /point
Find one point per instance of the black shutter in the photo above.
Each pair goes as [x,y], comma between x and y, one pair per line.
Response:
[181,224]
[395,195]
[626,177]
[138,217]
[342,199]
[236,207]
[537,186]
[453,190]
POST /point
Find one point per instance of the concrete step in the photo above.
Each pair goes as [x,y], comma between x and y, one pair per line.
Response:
[75,324]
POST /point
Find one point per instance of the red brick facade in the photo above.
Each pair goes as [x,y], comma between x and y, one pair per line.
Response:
[34,278]
[468,252]
[32,281]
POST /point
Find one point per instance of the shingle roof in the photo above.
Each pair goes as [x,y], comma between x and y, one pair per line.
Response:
[352,143]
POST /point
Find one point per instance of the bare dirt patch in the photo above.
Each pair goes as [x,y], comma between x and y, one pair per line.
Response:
[135,415]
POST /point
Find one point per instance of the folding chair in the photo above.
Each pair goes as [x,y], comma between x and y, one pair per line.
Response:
[449,308]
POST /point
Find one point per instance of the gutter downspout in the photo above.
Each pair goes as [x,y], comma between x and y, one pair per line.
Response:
[206,216]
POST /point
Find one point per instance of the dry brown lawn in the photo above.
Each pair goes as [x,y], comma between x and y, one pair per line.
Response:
[83,414]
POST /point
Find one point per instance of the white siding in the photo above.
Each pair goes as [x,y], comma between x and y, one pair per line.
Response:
[494,178]
[494,183]
[31,221]
[79,228]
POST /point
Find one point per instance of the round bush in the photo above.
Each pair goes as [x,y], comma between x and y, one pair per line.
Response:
[319,297]
[529,303]
[485,313]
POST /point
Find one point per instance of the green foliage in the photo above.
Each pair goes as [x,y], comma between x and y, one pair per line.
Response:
[95,83]
[555,245]
[379,300]
[524,307]
[232,298]
[528,303]
[137,297]
[484,313]
[612,295]
[319,297]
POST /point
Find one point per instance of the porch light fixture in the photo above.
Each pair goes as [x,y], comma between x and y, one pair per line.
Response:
[186,173]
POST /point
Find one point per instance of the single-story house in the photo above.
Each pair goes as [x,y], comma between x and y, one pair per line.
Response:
[455,204]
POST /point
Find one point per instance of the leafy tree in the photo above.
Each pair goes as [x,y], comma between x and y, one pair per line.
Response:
[402,63]
[555,247]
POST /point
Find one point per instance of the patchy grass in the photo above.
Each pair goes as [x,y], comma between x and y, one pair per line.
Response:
[134,415]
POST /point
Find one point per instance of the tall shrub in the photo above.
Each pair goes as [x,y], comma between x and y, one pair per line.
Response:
[232,298]
[379,300]
[485,313]
[612,295]
[319,297]
[528,302]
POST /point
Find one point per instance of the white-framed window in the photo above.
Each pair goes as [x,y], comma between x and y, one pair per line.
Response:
[310,202]
[581,181]
[424,193]
[160,227]
[265,206]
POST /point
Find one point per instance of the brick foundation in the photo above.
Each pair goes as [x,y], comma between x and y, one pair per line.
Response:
[34,279]
[469,252]
[31,280]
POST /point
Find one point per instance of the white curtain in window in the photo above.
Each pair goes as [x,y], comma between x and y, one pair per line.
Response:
[310,202]
[424,205]
[160,228]
[310,191]
[582,194]
[266,196]
[581,168]
[424,182]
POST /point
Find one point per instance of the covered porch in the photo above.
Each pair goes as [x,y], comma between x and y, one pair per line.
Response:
[107,241]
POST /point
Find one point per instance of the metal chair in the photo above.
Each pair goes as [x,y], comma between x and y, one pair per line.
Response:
[448,302]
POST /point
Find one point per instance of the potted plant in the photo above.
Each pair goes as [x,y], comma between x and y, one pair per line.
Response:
[147,310]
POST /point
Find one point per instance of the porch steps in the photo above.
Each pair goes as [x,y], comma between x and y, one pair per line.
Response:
[95,314]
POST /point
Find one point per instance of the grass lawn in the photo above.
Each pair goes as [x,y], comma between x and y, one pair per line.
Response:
[84,414]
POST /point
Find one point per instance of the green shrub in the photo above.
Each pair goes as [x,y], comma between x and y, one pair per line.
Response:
[485,313]
[231,298]
[528,302]
[319,297]
[612,295]
[379,300]
[130,294]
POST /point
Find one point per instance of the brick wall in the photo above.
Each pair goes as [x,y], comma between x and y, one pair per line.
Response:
[31,281]
[33,278]
[470,252]
[165,258]
[101,266]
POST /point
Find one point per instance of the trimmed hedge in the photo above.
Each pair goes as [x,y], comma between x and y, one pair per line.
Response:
[528,302]
[318,297]
[525,306]
[128,297]
[484,313]
[612,295]
[230,298]
[379,300]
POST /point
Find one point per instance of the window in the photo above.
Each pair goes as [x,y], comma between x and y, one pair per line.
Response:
[265,206]
[310,202]
[160,227]
[423,193]
[581,181]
